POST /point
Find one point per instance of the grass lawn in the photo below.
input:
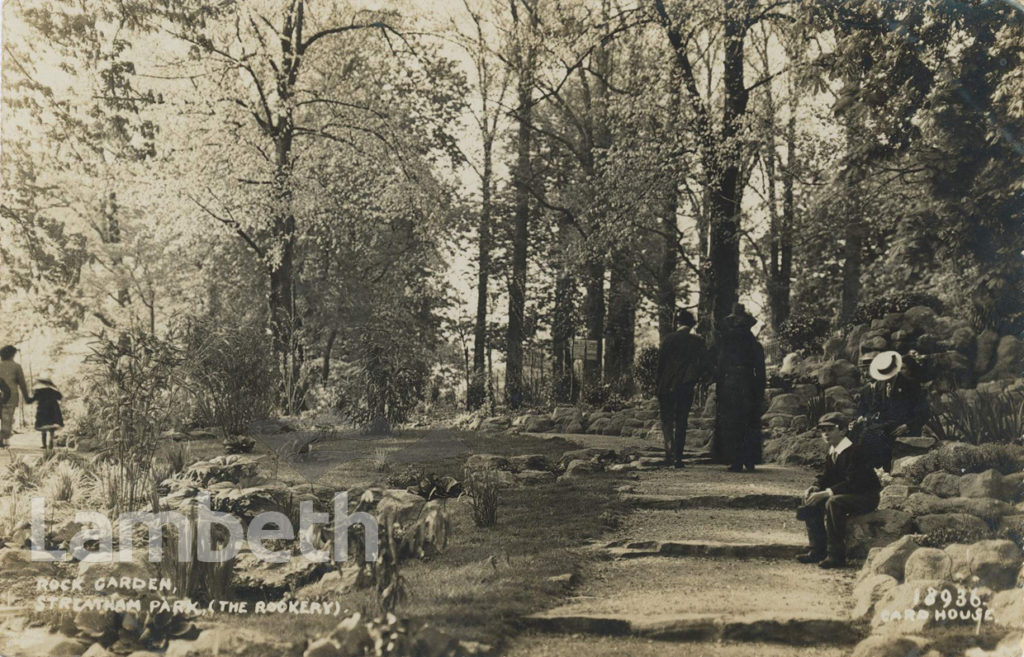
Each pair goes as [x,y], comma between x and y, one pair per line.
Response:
[487,579]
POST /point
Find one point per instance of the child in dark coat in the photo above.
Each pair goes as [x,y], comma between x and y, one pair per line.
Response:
[48,414]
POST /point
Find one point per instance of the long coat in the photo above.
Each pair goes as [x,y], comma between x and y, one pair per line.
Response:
[682,360]
[48,411]
[739,392]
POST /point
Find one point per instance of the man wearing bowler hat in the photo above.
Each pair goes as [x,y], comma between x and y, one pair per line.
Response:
[847,487]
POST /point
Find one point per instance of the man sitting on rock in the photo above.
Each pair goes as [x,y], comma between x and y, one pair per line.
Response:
[847,487]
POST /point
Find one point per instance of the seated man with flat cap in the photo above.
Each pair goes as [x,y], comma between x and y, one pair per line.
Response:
[847,487]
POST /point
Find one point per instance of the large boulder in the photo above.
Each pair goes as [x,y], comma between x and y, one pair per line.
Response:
[983,484]
[538,424]
[1009,357]
[530,462]
[891,559]
[801,449]
[838,372]
[960,525]
[959,561]
[869,591]
[876,529]
[19,563]
[941,484]
[487,462]
[586,454]
[927,564]
[988,509]
[1013,487]
[599,426]
[787,404]
[1008,610]
[579,467]
[995,563]
[918,319]
[985,357]
[893,496]
[564,413]
[839,396]
[905,608]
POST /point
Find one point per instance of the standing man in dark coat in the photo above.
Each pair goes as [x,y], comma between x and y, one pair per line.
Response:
[682,361]
[894,404]
[847,487]
[739,393]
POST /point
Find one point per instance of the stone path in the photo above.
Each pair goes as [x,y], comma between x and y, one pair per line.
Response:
[704,565]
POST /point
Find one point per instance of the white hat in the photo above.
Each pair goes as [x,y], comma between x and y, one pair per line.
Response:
[886,365]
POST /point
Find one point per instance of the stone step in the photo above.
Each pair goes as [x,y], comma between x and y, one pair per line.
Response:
[748,501]
[756,628]
[715,550]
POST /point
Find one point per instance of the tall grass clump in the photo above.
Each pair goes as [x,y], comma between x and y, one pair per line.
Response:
[483,488]
[979,417]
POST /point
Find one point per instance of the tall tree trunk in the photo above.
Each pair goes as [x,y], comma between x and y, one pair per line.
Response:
[852,260]
[727,189]
[520,237]
[282,273]
[593,313]
[620,344]
[669,260]
[562,324]
[475,397]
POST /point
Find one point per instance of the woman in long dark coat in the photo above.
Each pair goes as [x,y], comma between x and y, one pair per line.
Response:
[49,417]
[739,393]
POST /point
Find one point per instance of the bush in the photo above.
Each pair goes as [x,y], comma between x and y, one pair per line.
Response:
[645,371]
[962,458]
[979,418]
[231,373]
[817,406]
[383,384]
[897,302]
[482,487]
[943,537]
[132,394]
[803,330]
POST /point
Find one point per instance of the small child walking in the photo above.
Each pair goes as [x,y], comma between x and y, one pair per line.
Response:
[48,414]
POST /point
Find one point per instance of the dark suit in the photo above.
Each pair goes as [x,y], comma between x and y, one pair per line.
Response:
[682,361]
[855,489]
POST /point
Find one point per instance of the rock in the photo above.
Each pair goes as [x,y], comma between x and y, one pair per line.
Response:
[873,343]
[891,559]
[959,561]
[901,466]
[953,524]
[918,319]
[800,424]
[779,421]
[17,563]
[563,413]
[647,414]
[876,529]
[788,404]
[838,395]
[533,477]
[599,426]
[614,426]
[869,591]
[586,454]
[951,364]
[1009,355]
[530,462]
[986,344]
[97,650]
[892,609]
[984,484]
[927,564]
[915,443]
[325,647]
[926,343]
[487,462]
[231,641]
[566,580]
[1013,487]
[579,467]
[941,484]
[698,437]
[573,426]
[261,578]
[995,563]
[805,391]
[838,372]
[893,496]
[801,449]
[880,645]
[538,424]
[1011,525]
[1008,610]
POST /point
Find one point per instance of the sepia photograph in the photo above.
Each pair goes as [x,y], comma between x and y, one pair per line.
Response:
[512,328]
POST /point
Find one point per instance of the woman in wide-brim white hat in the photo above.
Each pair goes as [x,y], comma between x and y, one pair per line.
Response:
[886,365]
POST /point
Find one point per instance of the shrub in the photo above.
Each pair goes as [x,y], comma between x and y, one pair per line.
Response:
[483,488]
[383,384]
[979,418]
[897,302]
[231,373]
[62,482]
[132,390]
[803,330]
[817,406]
[962,458]
[645,371]
[943,537]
